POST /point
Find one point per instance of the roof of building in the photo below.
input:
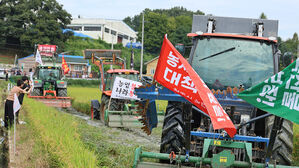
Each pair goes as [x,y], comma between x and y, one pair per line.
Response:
[151,60]
[68,58]
[122,71]
[121,26]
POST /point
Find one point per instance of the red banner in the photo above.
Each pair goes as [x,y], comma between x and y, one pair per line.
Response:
[64,66]
[47,50]
[176,74]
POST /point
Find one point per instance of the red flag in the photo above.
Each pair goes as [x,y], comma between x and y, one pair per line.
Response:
[175,73]
[64,66]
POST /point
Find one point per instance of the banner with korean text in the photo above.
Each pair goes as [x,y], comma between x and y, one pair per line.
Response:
[175,73]
[124,89]
[278,95]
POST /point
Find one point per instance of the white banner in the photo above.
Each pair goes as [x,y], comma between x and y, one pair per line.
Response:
[124,89]
[38,58]
[16,104]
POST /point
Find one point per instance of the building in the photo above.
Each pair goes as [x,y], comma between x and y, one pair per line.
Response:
[108,30]
[151,66]
[77,64]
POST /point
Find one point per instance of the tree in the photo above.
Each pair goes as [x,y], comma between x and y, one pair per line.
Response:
[25,23]
[176,22]
[263,16]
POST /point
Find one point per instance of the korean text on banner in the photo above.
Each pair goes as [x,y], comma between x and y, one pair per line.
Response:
[176,74]
[124,89]
[278,95]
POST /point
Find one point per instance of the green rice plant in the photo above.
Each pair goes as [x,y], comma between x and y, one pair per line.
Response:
[59,133]
[82,96]
[83,82]
[296,145]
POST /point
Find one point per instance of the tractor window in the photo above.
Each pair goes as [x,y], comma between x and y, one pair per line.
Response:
[223,62]
[111,77]
[49,74]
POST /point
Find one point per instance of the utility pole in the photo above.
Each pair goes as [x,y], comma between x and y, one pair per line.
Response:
[141,60]
[112,40]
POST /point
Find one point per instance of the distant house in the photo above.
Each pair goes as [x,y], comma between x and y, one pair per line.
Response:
[151,67]
[77,64]
[110,31]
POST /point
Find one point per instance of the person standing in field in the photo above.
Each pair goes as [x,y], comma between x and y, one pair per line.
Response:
[25,87]
[9,114]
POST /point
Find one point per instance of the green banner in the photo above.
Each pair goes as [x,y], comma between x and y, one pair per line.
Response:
[278,95]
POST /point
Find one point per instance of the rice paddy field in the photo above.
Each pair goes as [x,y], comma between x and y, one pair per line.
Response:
[52,138]
[82,96]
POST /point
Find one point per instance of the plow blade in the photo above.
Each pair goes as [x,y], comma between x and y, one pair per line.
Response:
[223,161]
[63,102]
[125,119]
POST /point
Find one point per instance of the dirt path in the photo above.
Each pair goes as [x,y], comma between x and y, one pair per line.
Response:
[124,136]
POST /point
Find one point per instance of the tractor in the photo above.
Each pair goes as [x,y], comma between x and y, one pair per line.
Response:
[111,111]
[49,86]
[230,55]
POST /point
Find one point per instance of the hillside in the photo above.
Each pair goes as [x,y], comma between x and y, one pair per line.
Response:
[75,46]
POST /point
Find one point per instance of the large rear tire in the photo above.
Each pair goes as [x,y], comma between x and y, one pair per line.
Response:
[103,107]
[173,129]
[114,106]
[283,145]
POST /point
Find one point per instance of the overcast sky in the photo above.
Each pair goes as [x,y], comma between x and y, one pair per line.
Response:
[286,11]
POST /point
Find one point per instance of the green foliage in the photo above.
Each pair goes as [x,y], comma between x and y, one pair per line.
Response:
[14,79]
[289,45]
[76,45]
[82,96]
[59,133]
[25,23]
[83,82]
[263,16]
[176,22]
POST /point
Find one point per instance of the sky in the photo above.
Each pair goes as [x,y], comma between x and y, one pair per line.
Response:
[286,11]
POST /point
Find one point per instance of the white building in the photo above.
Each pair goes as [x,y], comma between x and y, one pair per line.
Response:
[108,30]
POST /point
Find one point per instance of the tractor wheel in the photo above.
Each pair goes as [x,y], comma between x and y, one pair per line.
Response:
[173,129]
[36,92]
[95,107]
[62,92]
[103,107]
[283,145]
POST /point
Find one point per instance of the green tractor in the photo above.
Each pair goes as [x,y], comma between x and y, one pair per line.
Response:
[48,81]
[48,84]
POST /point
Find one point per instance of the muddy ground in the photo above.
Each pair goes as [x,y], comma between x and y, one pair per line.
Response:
[124,136]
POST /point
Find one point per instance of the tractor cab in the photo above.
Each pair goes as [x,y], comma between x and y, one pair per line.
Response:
[233,63]
[122,73]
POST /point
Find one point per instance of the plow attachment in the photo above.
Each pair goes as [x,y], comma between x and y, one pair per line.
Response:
[224,159]
[54,101]
[127,118]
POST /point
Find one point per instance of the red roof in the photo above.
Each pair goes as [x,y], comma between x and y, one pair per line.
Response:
[122,71]
[231,35]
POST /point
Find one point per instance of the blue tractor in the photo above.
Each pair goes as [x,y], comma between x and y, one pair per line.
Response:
[230,55]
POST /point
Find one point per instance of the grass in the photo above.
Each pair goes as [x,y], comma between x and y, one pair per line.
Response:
[82,96]
[7,59]
[59,133]
[296,145]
